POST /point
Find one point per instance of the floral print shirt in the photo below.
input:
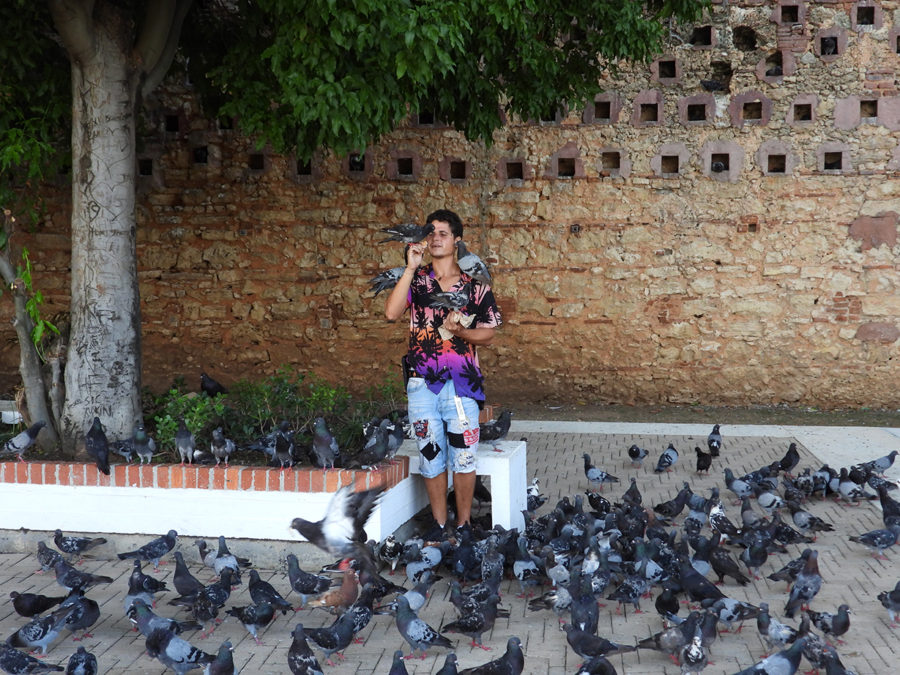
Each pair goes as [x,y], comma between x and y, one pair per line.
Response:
[438,360]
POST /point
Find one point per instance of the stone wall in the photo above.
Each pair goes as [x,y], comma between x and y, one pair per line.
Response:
[719,227]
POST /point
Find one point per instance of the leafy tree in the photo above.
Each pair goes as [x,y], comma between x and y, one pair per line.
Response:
[301,75]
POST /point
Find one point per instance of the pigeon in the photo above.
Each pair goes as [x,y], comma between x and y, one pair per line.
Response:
[637,455]
[833,625]
[694,656]
[386,280]
[785,662]
[805,587]
[890,600]
[143,445]
[775,633]
[18,444]
[475,623]
[333,638]
[253,617]
[632,496]
[304,583]
[85,613]
[452,300]
[70,578]
[185,583]
[47,557]
[882,464]
[146,621]
[807,522]
[408,233]
[142,586]
[325,450]
[221,447]
[82,662]
[263,591]
[97,445]
[301,659]
[337,600]
[41,631]
[704,460]
[14,661]
[124,448]
[398,666]
[472,265]
[32,604]
[225,558]
[75,546]
[184,442]
[153,550]
[739,488]
[790,460]
[587,645]
[416,632]
[494,431]
[389,551]
[418,594]
[223,664]
[878,541]
[535,499]
[375,450]
[667,459]
[210,387]
[449,667]
[595,475]
[340,531]
[598,665]
[511,663]
[730,611]
[714,441]
[175,653]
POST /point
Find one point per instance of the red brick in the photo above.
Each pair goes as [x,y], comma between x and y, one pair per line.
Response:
[63,473]
[164,475]
[233,477]
[316,480]
[246,480]
[273,480]
[332,481]
[119,474]
[77,474]
[217,477]
[36,473]
[302,478]
[288,480]
[190,477]
[176,476]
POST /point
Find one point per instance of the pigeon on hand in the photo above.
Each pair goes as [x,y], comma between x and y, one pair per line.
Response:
[385,280]
[175,653]
[253,617]
[41,631]
[224,661]
[408,233]
[263,591]
[153,550]
[453,300]
[18,444]
[340,532]
[97,445]
[70,578]
[32,604]
[595,475]
[143,445]
[220,446]
[667,459]
[82,662]
[494,431]
[184,442]
[210,387]
[75,546]
[472,265]
[325,450]
[511,663]
[14,661]
[416,632]
[301,659]
[714,441]
[637,455]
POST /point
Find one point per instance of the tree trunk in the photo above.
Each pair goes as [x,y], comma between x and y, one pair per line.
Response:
[103,364]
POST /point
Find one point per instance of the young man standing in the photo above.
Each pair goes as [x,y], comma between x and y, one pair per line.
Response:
[445,387]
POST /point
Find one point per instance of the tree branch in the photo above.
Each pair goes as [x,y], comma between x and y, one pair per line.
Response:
[72,19]
[159,40]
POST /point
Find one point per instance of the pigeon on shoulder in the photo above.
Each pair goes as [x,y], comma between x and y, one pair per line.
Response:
[472,265]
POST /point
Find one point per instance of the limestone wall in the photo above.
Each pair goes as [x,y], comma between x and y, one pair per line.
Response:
[739,248]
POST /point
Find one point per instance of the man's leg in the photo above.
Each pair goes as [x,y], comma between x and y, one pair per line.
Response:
[437,495]
[464,485]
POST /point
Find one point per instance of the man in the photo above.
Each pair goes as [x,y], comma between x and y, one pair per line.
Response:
[445,387]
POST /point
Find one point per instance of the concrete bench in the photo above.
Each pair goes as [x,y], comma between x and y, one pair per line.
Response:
[506,468]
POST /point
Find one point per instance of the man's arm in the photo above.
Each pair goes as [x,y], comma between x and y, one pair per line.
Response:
[480,337]
[396,301]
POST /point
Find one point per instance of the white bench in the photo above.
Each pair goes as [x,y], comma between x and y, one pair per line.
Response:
[506,467]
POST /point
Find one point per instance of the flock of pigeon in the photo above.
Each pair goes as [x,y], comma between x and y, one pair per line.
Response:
[571,557]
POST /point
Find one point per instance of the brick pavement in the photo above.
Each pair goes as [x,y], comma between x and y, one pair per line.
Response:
[851,575]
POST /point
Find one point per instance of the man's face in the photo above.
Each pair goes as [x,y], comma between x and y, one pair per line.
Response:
[441,242]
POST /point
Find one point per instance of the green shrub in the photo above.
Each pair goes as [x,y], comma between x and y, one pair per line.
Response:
[200,412]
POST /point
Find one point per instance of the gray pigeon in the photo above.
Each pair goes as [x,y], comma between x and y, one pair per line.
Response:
[85,613]
[175,653]
[143,445]
[18,444]
[253,617]
[890,600]
[220,446]
[511,663]
[82,662]
[667,459]
[40,632]
[340,532]
[785,662]
[494,431]
[714,441]
[304,583]
[224,661]
[75,546]
[595,475]
[452,300]
[263,591]
[97,445]
[415,631]
[386,280]
[68,577]
[333,638]
[153,550]
[324,446]
[47,557]
[408,233]
[472,265]
[301,659]
[16,662]
[184,442]
[146,620]
[398,666]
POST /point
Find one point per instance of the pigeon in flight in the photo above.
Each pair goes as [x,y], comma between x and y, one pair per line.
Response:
[97,445]
[340,531]
[472,265]
[18,444]
[153,550]
[408,233]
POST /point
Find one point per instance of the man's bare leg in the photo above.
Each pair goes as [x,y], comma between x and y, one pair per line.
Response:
[464,485]
[437,496]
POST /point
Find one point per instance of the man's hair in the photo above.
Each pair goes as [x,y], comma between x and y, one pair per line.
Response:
[449,217]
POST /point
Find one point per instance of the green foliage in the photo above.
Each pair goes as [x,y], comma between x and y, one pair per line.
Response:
[200,412]
[42,328]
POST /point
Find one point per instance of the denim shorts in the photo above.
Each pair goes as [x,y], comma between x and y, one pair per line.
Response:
[442,438]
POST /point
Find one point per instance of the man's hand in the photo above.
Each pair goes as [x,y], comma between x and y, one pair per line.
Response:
[414,255]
